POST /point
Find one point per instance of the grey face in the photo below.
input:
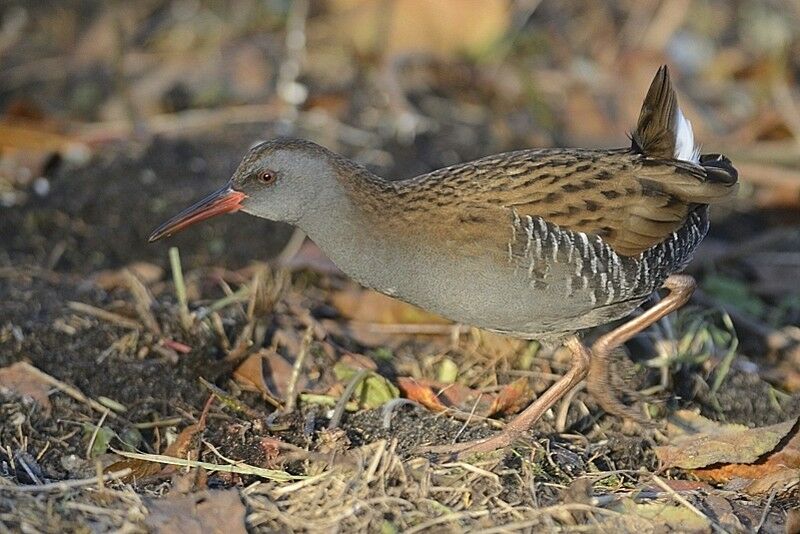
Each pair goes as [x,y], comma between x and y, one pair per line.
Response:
[282,179]
[279,180]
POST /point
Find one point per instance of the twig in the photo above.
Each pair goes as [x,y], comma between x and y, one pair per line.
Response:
[65,485]
[219,328]
[235,404]
[469,418]
[305,344]
[389,407]
[475,469]
[96,431]
[290,488]
[167,124]
[336,418]
[287,87]
[104,315]
[240,295]
[69,390]
[180,287]
[682,500]
[765,513]
[159,423]
[143,301]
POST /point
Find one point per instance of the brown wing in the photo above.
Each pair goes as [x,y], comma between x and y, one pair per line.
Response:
[630,201]
[633,198]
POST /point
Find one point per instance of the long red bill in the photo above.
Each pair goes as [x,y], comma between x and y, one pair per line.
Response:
[225,200]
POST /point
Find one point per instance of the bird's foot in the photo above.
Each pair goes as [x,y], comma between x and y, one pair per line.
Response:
[522,422]
[598,382]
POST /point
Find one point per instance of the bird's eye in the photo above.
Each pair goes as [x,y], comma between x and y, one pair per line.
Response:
[266,177]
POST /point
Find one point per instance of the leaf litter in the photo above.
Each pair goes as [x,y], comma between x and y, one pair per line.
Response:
[133,360]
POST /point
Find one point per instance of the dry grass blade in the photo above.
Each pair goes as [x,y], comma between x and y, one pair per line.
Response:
[236,405]
[69,390]
[338,412]
[180,287]
[682,500]
[65,485]
[104,315]
[240,295]
[240,468]
[305,344]
[143,301]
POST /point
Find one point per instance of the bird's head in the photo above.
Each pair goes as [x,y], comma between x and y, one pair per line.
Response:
[277,180]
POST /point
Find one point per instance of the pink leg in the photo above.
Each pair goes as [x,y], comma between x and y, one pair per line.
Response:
[593,362]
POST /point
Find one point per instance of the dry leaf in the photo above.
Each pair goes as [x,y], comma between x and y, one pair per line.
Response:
[438,396]
[250,374]
[370,306]
[269,373]
[696,441]
[512,398]
[18,378]
[786,456]
[652,517]
[421,393]
[218,512]
[783,482]
[180,448]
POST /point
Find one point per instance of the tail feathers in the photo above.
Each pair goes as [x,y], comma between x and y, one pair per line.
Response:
[719,169]
[663,131]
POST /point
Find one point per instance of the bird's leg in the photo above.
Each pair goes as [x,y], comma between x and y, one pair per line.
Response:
[523,421]
[680,288]
[593,362]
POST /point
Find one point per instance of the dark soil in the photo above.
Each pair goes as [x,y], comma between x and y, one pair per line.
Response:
[81,222]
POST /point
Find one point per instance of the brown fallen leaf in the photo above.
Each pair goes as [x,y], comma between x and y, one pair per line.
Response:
[142,469]
[268,373]
[786,456]
[785,483]
[370,306]
[18,378]
[421,393]
[512,398]
[696,441]
[211,511]
[679,485]
[653,517]
[182,447]
[438,396]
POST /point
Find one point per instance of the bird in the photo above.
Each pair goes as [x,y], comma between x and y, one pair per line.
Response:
[534,243]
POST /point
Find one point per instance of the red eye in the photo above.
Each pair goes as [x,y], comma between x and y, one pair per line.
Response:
[266,177]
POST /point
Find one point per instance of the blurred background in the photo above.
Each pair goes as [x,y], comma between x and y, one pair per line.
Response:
[116,114]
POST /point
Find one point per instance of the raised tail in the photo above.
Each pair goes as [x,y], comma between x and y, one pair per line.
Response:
[664,133]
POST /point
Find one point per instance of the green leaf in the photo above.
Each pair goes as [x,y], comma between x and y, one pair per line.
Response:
[373,391]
